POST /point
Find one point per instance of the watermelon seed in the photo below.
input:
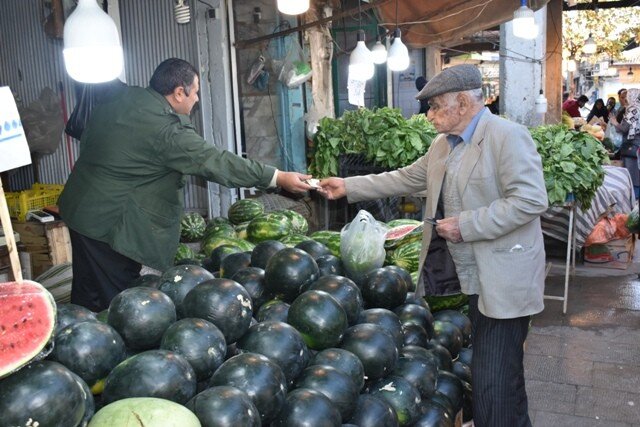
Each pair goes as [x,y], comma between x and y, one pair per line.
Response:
[2,328]
[30,305]
[15,326]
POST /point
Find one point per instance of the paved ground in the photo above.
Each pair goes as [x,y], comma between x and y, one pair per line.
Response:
[583,368]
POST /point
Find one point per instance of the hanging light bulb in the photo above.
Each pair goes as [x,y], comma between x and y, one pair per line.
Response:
[541,103]
[379,52]
[524,25]
[398,57]
[361,61]
[589,47]
[571,65]
[293,7]
[92,51]
[630,72]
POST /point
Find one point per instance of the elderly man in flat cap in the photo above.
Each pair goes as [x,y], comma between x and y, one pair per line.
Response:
[482,179]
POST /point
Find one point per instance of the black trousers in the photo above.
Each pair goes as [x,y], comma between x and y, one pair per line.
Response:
[499,395]
[99,272]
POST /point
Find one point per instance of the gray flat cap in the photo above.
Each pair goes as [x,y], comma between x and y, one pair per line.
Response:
[453,79]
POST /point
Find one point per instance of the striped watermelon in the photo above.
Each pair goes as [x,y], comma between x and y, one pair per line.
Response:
[245,210]
[192,227]
[268,227]
[210,243]
[330,238]
[291,240]
[407,256]
[220,230]
[241,230]
[402,221]
[183,252]
[299,223]
[402,234]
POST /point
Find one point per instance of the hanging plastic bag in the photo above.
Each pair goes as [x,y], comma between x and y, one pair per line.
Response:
[295,68]
[614,136]
[90,95]
[362,246]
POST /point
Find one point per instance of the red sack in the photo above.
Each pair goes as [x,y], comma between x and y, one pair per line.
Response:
[608,229]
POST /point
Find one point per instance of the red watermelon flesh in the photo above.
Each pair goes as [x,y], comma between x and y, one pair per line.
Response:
[27,322]
[400,230]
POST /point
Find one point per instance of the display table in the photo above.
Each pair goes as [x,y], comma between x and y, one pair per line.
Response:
[571,224]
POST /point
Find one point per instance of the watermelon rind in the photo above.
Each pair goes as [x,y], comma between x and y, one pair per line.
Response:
[27,324]
[192,226]
[244,210]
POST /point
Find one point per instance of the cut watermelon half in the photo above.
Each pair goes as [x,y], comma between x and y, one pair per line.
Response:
[27,322]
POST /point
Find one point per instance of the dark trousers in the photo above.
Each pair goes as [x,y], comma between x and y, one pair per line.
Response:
[99,272]
[499,395]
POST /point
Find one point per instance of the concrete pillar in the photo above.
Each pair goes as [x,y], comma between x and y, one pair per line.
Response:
[521,72]
[553,81]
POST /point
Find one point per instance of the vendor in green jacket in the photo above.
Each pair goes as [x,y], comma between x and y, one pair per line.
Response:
[124,200]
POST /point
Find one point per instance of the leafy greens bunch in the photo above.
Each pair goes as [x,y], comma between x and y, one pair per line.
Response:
[571,163]
[385,137]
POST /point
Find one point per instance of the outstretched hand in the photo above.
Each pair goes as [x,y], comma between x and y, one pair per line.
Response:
[332,188]
[293,182]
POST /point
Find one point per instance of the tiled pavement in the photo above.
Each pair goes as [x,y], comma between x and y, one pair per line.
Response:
[583,368]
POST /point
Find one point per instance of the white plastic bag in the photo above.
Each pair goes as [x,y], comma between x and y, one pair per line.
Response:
[614,136]
[362,246]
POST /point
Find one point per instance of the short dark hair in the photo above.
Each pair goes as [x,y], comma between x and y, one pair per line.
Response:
[621,90]
[173,73]
[583,98]
[420,83]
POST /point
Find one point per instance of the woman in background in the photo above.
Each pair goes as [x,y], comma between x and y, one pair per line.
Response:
[629,126]
[599,111]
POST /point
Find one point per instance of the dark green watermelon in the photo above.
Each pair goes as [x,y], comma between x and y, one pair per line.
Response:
[433,415]
[330,265]
[273,310]
[403,397]
[252,278]
[373,411]
[444,402]
[450,386]
[448,335]
[289,271]
[89,349]
[200,342]
[314,248]
[89,402]
[334,384]
[233,263]
[414,351]
[154,373]
[223,302]
[441,352]
[386,319]
[177,281]
[458,319]
[420,372]
[280,342]
[259,377]
[413,299]
[404,275]
[264,251]
[307,407]
[413,313]
[461,371]
[375,348]
[218,254]
[465,356]
[467,402]
[140,316]
[245,210]
[342,360]
[148,280]
[70,314]
[384,288]
[320,319]
[45,392]
[345,291]
[224,406]
[414,334]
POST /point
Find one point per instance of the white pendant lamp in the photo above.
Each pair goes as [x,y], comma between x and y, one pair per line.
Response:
[379,52]
[398,57]
[571,65]
[293,7]
[92,51]
[361,61]
[524,25]
[589,47]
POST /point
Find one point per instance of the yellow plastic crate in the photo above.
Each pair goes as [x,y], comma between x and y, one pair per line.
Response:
[40,195]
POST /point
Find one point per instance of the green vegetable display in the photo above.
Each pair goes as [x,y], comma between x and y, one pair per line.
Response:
[382,134]
[571,163]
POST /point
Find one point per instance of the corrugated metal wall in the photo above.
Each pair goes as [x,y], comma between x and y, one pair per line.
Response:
[31,61]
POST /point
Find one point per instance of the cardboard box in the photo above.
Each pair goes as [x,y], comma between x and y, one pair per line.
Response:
[616,254]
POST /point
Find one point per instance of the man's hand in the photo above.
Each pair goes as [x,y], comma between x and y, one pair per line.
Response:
[332,188]
[293,181]
[449,229]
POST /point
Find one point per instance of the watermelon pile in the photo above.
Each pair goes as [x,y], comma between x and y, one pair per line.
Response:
[266,330]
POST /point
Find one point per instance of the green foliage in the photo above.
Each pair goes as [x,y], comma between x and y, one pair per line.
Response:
[571,163]
[382,134]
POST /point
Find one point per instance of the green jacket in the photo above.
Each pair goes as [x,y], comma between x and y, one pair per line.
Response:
[126,187]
